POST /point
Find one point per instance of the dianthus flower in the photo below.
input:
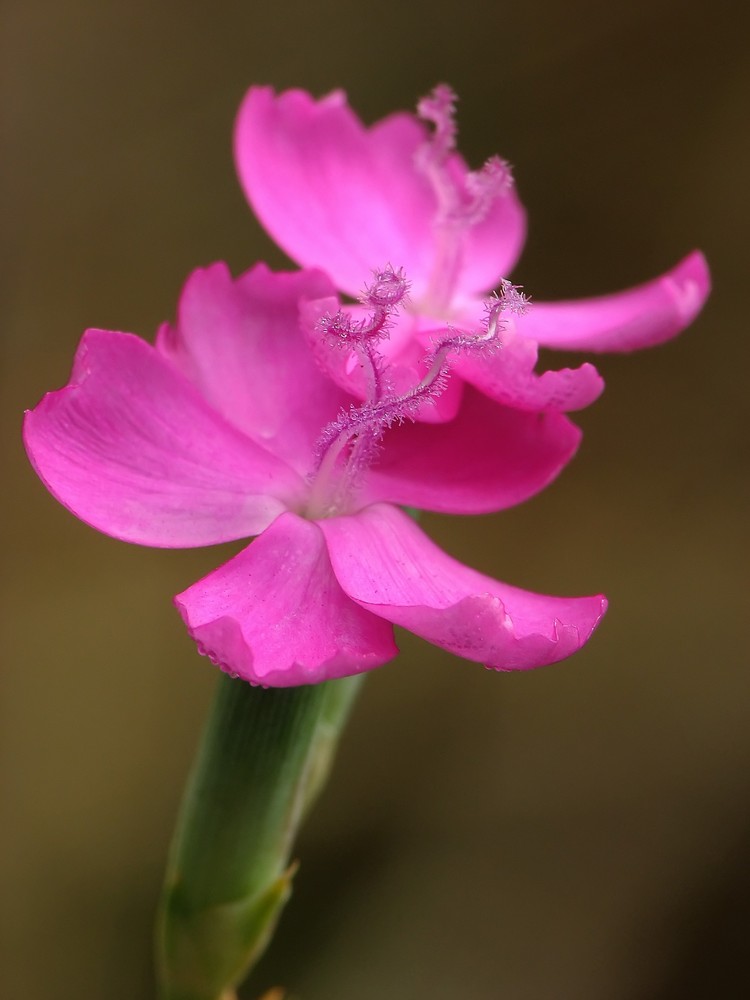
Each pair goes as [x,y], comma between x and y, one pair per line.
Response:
[337,195]
[227,428]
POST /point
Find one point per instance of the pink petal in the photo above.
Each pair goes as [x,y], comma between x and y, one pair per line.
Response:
[626,321]
[337,195]
[275,614]
[488,458]
[130,447]
[508,376]
[330,193]
[387,564]
[241,344]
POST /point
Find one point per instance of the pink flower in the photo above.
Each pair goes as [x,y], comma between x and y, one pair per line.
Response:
[228,428]
[340,196]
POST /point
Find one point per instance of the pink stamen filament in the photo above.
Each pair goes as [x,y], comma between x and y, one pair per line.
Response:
[459,206]
[350,444]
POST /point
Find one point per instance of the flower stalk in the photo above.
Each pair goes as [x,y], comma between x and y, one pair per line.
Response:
[263,760]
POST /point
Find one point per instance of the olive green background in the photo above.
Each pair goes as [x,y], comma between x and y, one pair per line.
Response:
[579,832]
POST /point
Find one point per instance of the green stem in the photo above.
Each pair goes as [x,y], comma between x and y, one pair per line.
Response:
[263,760]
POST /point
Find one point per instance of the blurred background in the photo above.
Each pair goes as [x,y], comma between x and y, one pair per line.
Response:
[580,832]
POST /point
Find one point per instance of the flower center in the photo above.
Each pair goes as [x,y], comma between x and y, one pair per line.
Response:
[463,198]
[350,444]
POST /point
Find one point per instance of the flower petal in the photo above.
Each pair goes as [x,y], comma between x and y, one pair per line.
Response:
[130,447]
[240,342]
[386,564]
[488,458]
[337,195]
[275,614]
[625,321]
[331,193]
[508,376]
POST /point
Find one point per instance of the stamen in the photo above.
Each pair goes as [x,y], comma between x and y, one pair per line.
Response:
[383,296]
[350,444]
[462,202]
[514,300]
[493,180]
[388,291]
[439,108]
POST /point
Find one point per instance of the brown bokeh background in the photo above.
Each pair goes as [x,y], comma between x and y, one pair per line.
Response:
[580,832]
